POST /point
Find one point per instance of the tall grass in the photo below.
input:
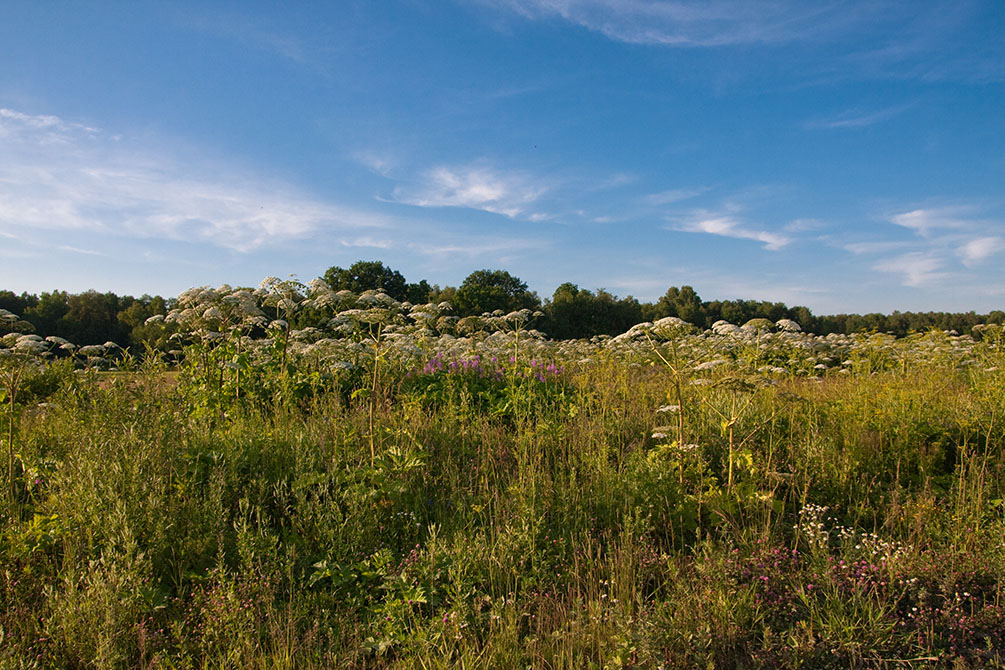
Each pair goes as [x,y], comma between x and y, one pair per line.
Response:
[505,515]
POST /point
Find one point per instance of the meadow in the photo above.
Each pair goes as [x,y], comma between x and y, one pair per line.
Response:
[406,489]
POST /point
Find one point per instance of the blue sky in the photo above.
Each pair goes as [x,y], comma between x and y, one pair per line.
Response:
[847,156]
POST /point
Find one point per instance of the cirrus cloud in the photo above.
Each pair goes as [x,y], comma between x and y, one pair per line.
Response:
[474,187]
[60,175]
[727,225]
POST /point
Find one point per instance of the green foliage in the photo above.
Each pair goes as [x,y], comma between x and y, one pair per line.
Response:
[385,495]
[577,313]
[486,291]
[473,387]
[374,275]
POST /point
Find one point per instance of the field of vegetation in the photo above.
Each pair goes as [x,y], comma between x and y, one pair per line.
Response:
[403,488]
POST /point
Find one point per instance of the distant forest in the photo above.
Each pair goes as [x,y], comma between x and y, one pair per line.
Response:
[571,312]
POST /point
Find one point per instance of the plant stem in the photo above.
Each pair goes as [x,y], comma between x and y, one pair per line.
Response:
[373,391]
[14,378]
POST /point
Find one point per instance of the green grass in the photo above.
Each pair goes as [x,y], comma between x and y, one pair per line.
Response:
[853,520]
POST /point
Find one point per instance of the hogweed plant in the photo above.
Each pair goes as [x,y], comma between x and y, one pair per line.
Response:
[13,365]
[377,311]
[738,393]
[672,329]
[286,297]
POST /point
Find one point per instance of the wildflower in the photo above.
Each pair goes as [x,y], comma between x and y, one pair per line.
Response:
[759,324]
[31,347]
[725,328]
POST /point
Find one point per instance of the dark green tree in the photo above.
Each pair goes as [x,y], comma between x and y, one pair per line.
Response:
[804,317]
[368,275]
[47,314]
[445,294]
[93,318]
[681,302]
[489,290]
[134,315]
[734,312]
[574,313]
[419,293]
[18,304]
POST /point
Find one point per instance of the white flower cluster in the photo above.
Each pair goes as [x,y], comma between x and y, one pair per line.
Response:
[813,525]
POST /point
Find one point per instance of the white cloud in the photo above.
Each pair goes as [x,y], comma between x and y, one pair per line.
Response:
[381,163]
[39,129]
[856,118]
[703,23]
[927,41]
[977,250]
[859,248]
[370,242]
[475,246]
[946,240]
[926,221]
[57,175]
[726,225]
[671,196]
[916,269]
[804,225]
[478,187]
[77,250]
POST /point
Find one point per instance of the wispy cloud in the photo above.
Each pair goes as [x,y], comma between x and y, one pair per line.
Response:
[473,247]
[705,23]
[926,41]
[367,242]
[383,163]
[728,225]
[875,247]
[946,240]
[980,249]
[474,187]
[77,250]
[673,195]
[59,175]
[43,129]
[928,220]
[804,225]
[916,269]
[937,42]
[856,118]
[242,28]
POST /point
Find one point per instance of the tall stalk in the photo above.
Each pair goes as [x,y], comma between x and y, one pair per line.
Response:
[373,393]
[13,380]
[675,370]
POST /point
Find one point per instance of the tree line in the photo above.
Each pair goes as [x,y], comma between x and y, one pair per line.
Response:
[571,312]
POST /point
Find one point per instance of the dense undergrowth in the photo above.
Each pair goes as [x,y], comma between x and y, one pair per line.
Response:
[663,502]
